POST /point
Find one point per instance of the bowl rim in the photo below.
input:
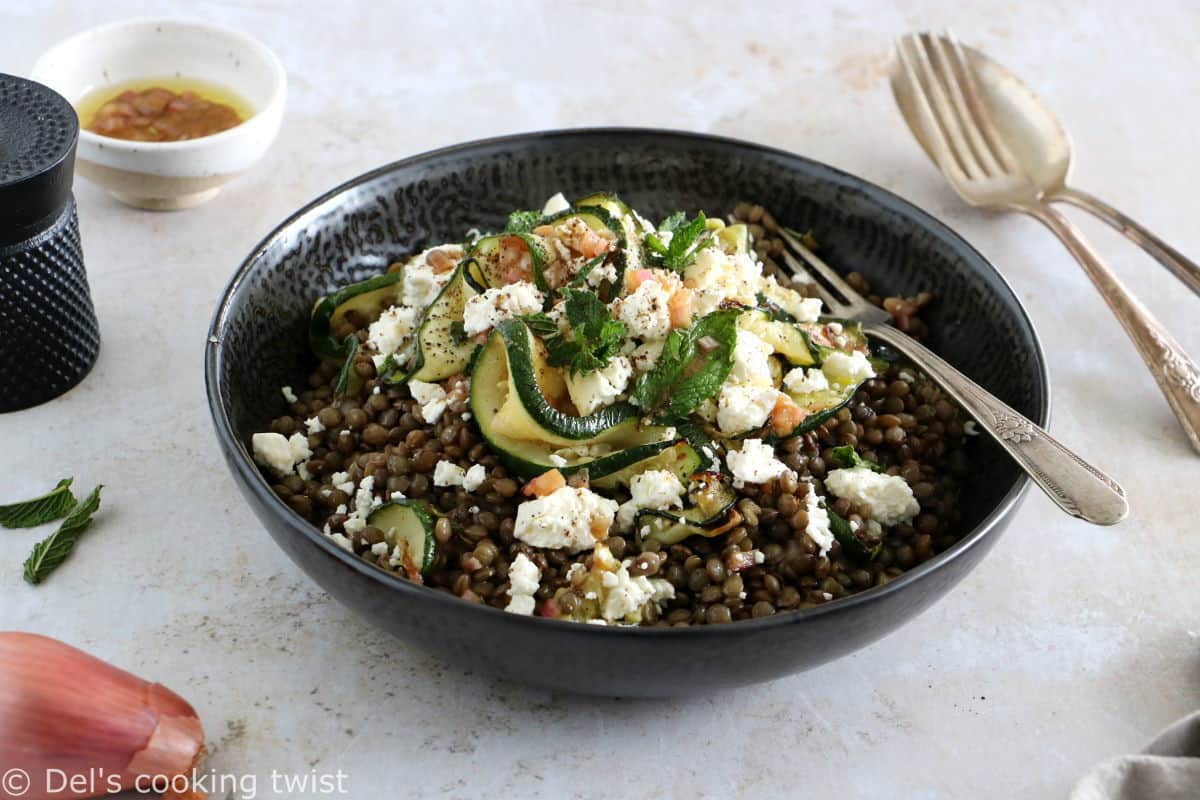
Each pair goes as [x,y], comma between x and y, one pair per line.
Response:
[253,480]
[268,56]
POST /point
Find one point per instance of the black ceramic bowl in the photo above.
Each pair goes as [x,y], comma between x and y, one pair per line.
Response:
[257,344]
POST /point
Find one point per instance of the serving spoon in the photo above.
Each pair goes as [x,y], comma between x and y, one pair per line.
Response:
[945,104]
[1042,149]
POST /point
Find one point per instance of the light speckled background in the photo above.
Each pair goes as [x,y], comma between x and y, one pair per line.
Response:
[1068,644]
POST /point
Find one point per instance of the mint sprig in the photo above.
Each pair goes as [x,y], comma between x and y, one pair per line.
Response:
[595,337]
[687,237]
[40,510]
[49,554]
[694,363]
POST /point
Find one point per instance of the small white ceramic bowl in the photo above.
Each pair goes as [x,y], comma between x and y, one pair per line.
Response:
[169,175]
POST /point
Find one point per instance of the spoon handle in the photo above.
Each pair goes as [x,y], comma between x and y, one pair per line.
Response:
[1074,485]
[1180,265]
[1177,375]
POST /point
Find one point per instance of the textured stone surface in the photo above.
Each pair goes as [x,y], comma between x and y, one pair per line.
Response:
[1068,644]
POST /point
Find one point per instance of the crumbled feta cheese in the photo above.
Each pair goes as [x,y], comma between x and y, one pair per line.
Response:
[970,429]
[280,454]
[314,425]
[342,541]
[645,356]
[379,549]
[570,518]
[847,368]
[655,488]
[619,595]
[487,310]
[804,309]
[523,578]
[340,478]
[754,463]
[594,390]
[645,312]
[715,277]
[751,360]
[421,285]
[557,460]
[556,204]
[907,376]
[394,327]
[818,521]
[805,381]
[289,395]
[742,407]
[601,273]
[431,397]
[447,473]
[889,496]
[475,477]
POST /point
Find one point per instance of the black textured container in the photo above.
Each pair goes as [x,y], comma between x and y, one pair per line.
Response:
[48,333]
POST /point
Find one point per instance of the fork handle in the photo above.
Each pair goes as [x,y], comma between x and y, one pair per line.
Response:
[1180,265]
[1076,486]
[1176,373]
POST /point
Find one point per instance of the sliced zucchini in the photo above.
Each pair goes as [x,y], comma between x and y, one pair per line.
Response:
[820,406]
[367,300]
[735,239]
[518,358]
[788,339]
[830,335]
[631,246]
[710,513]
[440,349]
[407,525]
[855,543]
[679,458]
[509,404]
[489,253]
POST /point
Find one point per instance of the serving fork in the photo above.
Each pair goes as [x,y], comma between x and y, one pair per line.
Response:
[1074,485]
[932,77]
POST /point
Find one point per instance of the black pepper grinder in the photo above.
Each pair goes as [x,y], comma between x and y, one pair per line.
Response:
[48,333]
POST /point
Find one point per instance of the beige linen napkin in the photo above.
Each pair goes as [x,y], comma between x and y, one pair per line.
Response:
[1167,769]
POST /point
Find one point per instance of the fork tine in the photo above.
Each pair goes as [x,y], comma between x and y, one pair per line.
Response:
[817,265]
[978,107]
[837,307]
[936,94]
[952,81]
[947,160]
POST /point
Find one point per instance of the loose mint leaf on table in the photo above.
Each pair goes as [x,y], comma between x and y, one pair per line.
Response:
[848,457]
[52,551]
[40,510]
[694,363]
[522,221]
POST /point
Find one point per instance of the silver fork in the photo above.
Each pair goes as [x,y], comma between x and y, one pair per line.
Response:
[1076,486]
[969,149]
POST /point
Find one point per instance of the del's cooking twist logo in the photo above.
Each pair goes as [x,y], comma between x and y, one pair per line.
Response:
[17,782]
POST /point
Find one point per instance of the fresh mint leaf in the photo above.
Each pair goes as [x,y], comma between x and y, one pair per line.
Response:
[694,363]
[848,458]
[542,326]
[52,551]
[30,513]
[343,381]
[522,221]
[687,236]
[580,279]
[594,336]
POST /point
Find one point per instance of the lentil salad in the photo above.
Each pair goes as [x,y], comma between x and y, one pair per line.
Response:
[591,417]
